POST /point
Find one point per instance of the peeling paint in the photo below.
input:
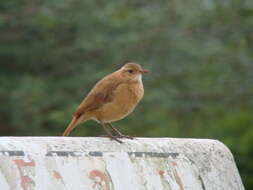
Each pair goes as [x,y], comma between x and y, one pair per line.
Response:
[57,175]
[161,173]
[177,177]
[100,180]
[49,163]
[26,180]
[153,154]
[12,153]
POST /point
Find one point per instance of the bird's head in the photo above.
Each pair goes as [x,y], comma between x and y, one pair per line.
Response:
[132,72]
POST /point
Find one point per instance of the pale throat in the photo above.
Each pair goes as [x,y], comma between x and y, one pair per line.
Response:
[139,77]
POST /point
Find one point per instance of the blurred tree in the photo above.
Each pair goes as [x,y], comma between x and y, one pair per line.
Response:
[199,53]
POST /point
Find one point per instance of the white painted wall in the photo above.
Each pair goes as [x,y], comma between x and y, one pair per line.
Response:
[57,163]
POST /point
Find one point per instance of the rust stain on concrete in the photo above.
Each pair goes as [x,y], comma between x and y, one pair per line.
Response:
[57,175]
[100,179]
[161,173]
[177,177]
[104,165]
[26,181]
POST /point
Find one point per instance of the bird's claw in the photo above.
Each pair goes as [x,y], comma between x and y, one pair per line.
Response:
[125,136]
[115,138]
[112,138]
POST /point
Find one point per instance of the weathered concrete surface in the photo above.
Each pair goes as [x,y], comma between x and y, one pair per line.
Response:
[55,163]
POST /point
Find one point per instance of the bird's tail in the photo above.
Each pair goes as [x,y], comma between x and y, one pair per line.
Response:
[71,126]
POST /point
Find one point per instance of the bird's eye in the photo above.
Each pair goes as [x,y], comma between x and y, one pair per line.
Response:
[130,71]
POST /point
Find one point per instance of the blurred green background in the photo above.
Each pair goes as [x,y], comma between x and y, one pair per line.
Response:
[200,54]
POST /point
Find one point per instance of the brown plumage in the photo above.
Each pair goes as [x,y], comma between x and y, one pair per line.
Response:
[111,99]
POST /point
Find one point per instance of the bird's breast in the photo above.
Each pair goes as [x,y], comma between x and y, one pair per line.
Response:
[126,97]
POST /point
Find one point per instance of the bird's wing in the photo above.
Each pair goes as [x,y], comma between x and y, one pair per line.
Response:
[102,93]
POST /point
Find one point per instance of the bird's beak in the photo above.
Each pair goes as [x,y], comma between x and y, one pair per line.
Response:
[143,71]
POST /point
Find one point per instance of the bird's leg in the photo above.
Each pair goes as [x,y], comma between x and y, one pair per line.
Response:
[119,134]
[110,134]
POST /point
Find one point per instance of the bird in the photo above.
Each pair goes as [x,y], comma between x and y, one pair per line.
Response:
[111,99]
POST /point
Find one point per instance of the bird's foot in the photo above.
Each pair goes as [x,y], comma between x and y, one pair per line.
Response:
[115,138]
[125,136]
[112,138]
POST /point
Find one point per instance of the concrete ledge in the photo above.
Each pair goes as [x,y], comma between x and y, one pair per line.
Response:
[55,163]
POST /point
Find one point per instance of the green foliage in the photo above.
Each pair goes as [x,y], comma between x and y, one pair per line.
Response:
[199,54]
